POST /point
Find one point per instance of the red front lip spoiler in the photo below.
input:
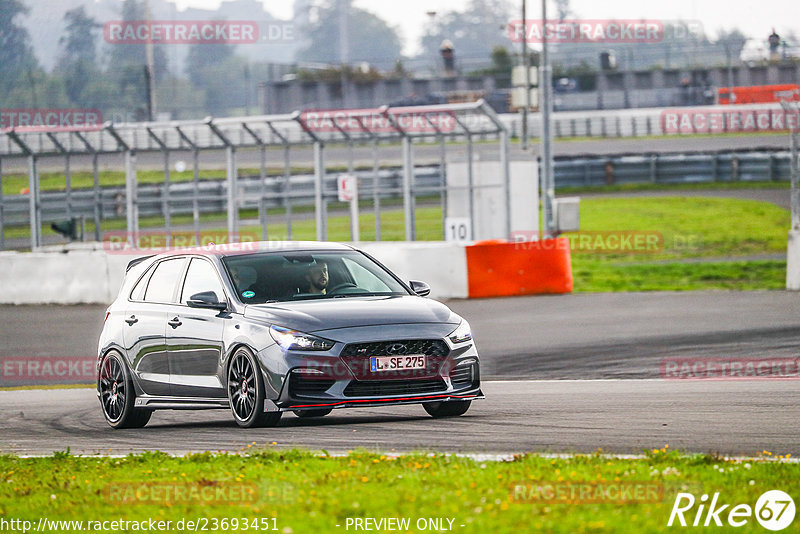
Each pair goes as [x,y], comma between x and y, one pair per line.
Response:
[389,400]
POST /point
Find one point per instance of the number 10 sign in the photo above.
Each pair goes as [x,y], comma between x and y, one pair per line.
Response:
[458,229]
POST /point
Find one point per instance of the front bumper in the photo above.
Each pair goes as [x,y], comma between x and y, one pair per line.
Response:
[341,379]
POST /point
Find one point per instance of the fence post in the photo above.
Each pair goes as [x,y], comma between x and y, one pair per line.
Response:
[319,207]
[443,181]
[131,202]
[35,203]
[376,198]
[68,186]
[165,200]
[506,165]
[287,189]
[262,218]
[408,197]
[795,175]
[196,199]
[98,200]
[233,208]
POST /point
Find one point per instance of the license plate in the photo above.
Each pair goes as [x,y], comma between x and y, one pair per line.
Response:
[379,364]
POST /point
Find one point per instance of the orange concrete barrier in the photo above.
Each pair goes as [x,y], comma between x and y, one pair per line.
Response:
[498,268]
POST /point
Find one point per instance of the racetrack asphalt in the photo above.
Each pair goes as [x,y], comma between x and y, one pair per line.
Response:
[616,341]
[619,416]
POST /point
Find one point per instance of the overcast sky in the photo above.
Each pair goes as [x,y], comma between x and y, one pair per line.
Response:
[754,18]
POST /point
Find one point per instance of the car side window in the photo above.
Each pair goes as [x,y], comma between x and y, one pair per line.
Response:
[137,294]
[201,277]
[161,287]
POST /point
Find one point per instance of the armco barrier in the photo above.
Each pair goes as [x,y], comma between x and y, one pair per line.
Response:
[484,269]
[499,268]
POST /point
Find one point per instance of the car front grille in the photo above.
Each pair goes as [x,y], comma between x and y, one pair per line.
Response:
[308,386]
[356,356]
[381,388]
[464,376]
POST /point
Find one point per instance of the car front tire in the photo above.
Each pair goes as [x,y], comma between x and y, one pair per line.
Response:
[246,392]
[117,396]
[446,409]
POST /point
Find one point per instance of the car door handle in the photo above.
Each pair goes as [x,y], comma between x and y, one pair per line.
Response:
[132,320]
[175,323]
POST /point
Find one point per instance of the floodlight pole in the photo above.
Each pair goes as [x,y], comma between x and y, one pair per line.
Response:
[795,169]
[548,187]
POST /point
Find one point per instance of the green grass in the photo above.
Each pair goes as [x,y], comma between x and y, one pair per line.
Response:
[600,276]
[691,227]
[724,232]
[649,186]
[309,493]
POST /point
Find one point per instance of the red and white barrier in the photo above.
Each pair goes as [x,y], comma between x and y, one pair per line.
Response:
[483,269]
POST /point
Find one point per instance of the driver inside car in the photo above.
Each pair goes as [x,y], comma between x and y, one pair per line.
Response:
[317,278]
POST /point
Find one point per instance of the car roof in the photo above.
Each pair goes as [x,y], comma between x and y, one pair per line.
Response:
[254,247]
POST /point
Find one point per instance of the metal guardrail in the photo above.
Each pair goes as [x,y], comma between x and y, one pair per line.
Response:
[569,172]
[377,128]
[211,195]
[673,168]
[641,122]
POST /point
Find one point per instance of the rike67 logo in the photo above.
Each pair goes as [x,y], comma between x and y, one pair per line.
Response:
[774,510]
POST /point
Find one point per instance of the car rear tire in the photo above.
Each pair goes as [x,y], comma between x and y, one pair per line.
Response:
[117,396]
[246,392]
[307,414]
[446,409]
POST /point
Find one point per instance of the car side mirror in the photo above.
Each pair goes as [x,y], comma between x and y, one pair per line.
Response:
[206,300]
[420,288]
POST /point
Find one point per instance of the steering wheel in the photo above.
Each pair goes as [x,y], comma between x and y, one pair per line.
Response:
[341,286]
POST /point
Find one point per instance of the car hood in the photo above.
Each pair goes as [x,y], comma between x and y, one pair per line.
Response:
[329,314]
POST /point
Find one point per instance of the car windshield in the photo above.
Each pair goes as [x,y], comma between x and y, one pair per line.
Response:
[280,277]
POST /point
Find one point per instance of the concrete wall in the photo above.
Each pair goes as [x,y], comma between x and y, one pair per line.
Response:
[95,276]
[443,266]
[452,270]
[793,261]
[76,277]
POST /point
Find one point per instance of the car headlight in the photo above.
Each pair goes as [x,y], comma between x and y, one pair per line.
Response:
[462,334]
[293,340]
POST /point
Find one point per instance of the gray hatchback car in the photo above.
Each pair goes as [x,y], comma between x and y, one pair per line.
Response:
[273,327]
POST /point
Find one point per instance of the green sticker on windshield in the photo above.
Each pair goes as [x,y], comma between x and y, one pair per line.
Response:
[248,294]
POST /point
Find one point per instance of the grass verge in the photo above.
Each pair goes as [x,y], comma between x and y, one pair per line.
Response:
[717,235]
[309,493]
